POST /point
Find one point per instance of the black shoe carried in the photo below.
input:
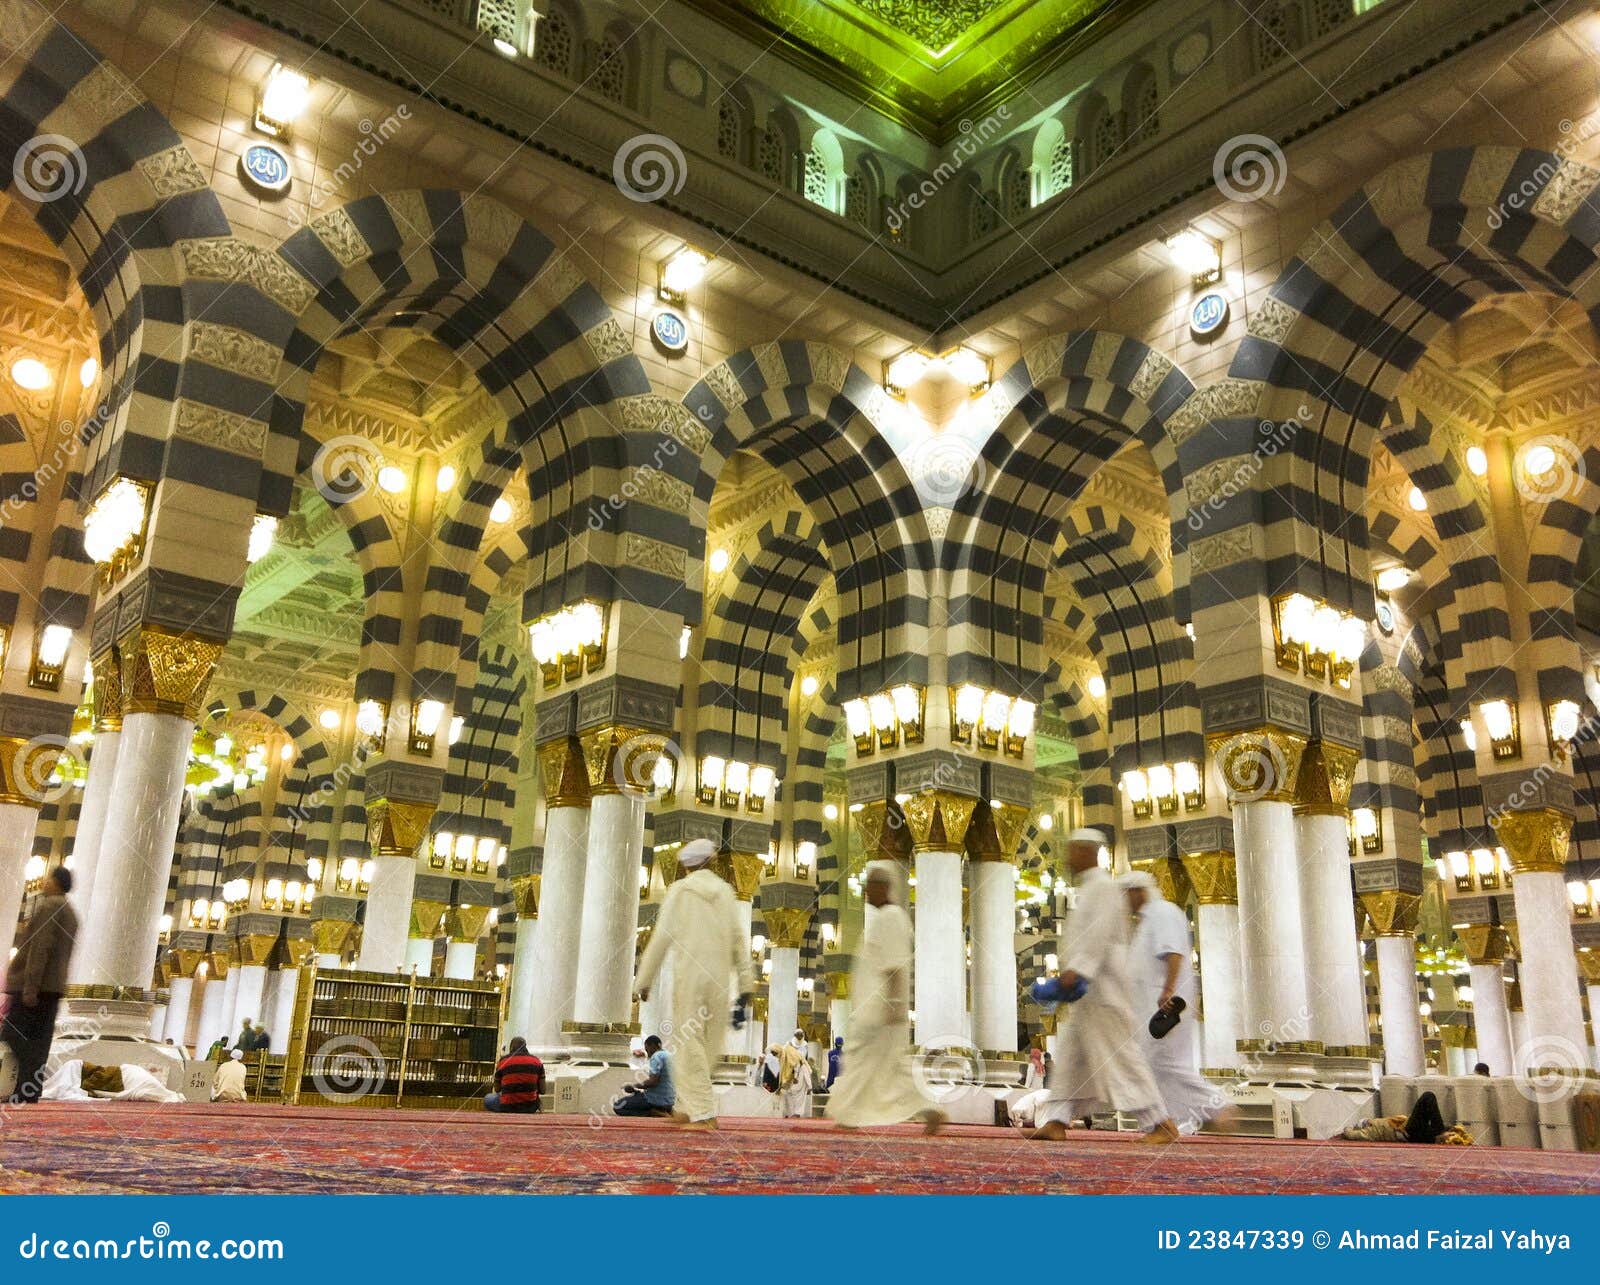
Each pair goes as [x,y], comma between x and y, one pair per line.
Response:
[1166,1017]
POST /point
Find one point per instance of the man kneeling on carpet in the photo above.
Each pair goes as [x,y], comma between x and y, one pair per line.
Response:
[229,1083]
[518,1081]
[654,1095]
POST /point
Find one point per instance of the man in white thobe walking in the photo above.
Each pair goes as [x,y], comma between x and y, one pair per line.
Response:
[1099,1064]
[1160,968]
[699,923]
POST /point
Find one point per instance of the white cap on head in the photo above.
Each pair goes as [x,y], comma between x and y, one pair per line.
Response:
[696,853]
[1088,834]
[236,1055]
[1138,879]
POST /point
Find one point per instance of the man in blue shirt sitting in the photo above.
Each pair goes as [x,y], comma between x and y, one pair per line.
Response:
[653,1095]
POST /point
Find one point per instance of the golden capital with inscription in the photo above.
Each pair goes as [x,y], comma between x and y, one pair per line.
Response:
[1260,764]
[425,917]
[1393,913]
[938,820]
[1214,877]
[869,822]
[25,769]
[562,773]
[1484,943]
[525,895]
[742,870]
[107,691]
[666,862]
[1327,771]
[465,923]
[166,673]
[330,936]
[1169,875]
[299,951]
[396,826]
[609,754]
[786,926]
[1536,840]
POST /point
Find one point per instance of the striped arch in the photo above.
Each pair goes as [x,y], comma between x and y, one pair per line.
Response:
[1572,503]
[1065,696]
[500,556]
[1408,543]
[813,728]
[748,649]
[542,342]
[62,596]
[1074,402]
[480,779]
[1585,850]
[1449,791]
[1149,659]
[814,417]
[1351,314]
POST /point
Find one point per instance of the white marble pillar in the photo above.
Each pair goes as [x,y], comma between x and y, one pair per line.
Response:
[520,1002]
[1271,934]
[1548,972]
[461,960]
[783,994]
[1334,982]
[1397,1005]
[994,954]
[180,999]
[749,1042]
[248,996]
[1491,1019]
[119,933]
[18,823]
[940,971]
[385,933]
[97,790]
[230,1004]
[839,1017]
[610,921]
[158,1022]
[419,956]
[283,1010]
[1594,1021]
[553,964]
[653,1011]
[1519,1039]
[1217,926]
[330,961]
[213,1014]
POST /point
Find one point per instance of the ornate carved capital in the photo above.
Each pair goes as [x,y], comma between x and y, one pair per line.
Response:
[611,753]
[166,673]
[255,949]
[839,985]
[1259,764]
[1327,771]
[107,693]
[938,820]
[1169,875]
[869,823]
[786,926]
[218,962]
[1536,840]
[562,773]
[1484,943]
[425,917]
[395,826]
[299,951]
[1589,965]
[1393,913]
[465,923]
[1213,877]
[330,936]
[742,870]
[667,863]
[996,831]
[525,893]
[25,769]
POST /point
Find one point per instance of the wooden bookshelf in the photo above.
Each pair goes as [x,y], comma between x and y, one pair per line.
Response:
[387,1039]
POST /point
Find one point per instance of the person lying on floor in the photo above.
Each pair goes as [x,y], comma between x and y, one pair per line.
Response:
[1424,1125]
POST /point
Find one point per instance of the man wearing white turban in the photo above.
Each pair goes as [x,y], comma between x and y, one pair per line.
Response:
[876,1085]
[1160,970]
[1099,1064]
[699,923]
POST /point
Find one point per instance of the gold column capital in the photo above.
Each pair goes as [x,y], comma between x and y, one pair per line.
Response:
[1393,913]
[255,948]
[1322,786]
[166,673]
[218,962]
[938,820]
[666,861]
[562,773]
[465,923]
[1258,764]
[330,936]
[182,963]
[1170,877]
[839,985]
[611,755]
[742,870]
[108,690]
[525,893]
[26,766]
[1589,966]
[1484,943]
[1214,877]
[396,826]
[869,823]
[425,916]
[786,925]
[1536,840]
[299,950]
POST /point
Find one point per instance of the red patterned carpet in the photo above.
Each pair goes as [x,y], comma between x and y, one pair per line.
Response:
[132,1147]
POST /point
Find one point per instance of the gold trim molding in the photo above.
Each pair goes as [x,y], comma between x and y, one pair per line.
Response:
[1214,877]
[166,673]
[1393,913]
[1260,764]
[1536,840]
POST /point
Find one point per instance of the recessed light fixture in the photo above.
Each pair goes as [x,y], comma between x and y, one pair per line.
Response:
[30,373]
[392,478]
[330,719]
[500,510]
[447,477]
[89,371]
[719,561]
[1477,461]
[1196,254]
[1417,500]
[1392,578]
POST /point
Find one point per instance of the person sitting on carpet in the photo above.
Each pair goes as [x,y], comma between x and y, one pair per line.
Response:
[229,1084]
[1423,1125]
[518,1081]
[653,1095]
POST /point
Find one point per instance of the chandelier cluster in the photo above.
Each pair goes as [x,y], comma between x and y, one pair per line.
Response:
[215,763]
[886,719]
[990,719]
[291,896]
[733,783]
[1482,870]
[465,853]
[1163,787]
[208,915]
[567,641]
[1317,638]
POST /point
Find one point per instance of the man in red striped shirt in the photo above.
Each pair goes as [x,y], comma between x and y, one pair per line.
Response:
[518,1081]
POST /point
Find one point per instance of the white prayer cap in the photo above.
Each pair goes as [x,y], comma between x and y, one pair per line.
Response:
[237,1055]
[696,853]
[1089,835]
[1139,879]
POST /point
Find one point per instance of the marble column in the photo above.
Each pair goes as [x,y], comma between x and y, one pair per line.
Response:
[1213,876]
[1537,841]
[839,995]
[1334,978]
[213,1005]
[1271,929]
[158,1021]
[550,967]
[282,1025]
[180,998]
[994,954]
[385,933]
[783,994]
[610,920]
[1594,1021]
[97,788]
[230,1003]
[329,961]
[751,1041]
[18,823]
[525,895]
[249,994]
[461,960]
[1491,1019]
[787,919]
[938,821]
[1394,921]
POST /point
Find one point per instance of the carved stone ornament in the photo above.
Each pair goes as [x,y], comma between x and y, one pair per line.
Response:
[234,350]
[1214,877]
[729,391]
[608,750]
[330,936]
[338,231]
[786,926]
[166,673]
[107,691]
[829,366]
[172,172]
[1484,943]
[649,413]
[25,769]
[525,896]
[1258,765]
[465,923]
[608,342]
[1536,840]
[395,827]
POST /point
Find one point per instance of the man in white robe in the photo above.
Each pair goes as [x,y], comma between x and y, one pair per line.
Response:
[699,924]
[877,1084]
[1161,969]
[794,1076]
[1099,1064]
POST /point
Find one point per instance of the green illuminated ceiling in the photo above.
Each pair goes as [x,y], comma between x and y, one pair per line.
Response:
[929,63]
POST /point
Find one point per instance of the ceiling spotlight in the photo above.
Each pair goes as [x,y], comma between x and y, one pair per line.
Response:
[262,530]
[500,510]
[392,478]
[1391,579]
[330,719]
[808,685]
[1538,459]
[1196,254]
[446,478]
[968,367]
[1477,461]
[1417,500]
[681,273]
[505,46]
[283,98]
[89,371]
[719,561]
[1097,687]
[30,373]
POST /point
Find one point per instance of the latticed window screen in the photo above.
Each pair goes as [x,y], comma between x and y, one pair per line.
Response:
[730,130]
[1275,34]
[769,156]
[610,79]
[1325,15]
[816,184]
[1104,140]
[858,201]
[1062,173]
[981,218]
[552,43]
[1146,119]
[1018,194]
[498,18]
